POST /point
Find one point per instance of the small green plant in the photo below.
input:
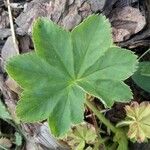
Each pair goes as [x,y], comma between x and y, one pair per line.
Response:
[138,120]
[3,112]
[67,65]
[142,76]
[80,136]
[6,141]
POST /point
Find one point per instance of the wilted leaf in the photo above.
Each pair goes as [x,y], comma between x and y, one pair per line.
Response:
[64,66]
[5,142]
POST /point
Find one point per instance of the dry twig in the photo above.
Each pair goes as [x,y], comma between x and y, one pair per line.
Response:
[12,27]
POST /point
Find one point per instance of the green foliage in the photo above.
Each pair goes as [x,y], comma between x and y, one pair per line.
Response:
[18,139]
[3,112]
[122,141]
[6,142]
[142,76]
[66,65]
[138,120]
[80,136]
[145,69]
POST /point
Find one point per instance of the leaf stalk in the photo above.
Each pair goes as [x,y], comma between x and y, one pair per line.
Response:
[101,117]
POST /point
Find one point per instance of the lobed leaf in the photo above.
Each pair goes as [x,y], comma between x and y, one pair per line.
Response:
[139,121]
[66,65]
[80,136]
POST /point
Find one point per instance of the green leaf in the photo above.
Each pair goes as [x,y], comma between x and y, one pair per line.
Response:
[54,45]
[145,69]
[18,139]
[3,112]
[140,77]
[107,74]
[66,65]
[90,40]
[123,144]
[69,110]
[122,141]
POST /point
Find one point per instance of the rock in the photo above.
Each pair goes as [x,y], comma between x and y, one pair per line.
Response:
[108,6]
[8,51]
[2,42]
[65,13]
[17,5]
[123,3]
[72,19]
[85,10]
[70,2]
[97,5]
[111,4]
[58,10]
[126,21]
[1,3]
[24,43]
[32,11]
[4,33]
[79,3]
[41,1]
[4,20]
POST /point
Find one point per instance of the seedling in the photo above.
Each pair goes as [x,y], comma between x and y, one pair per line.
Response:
[138,120]
[80,136]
